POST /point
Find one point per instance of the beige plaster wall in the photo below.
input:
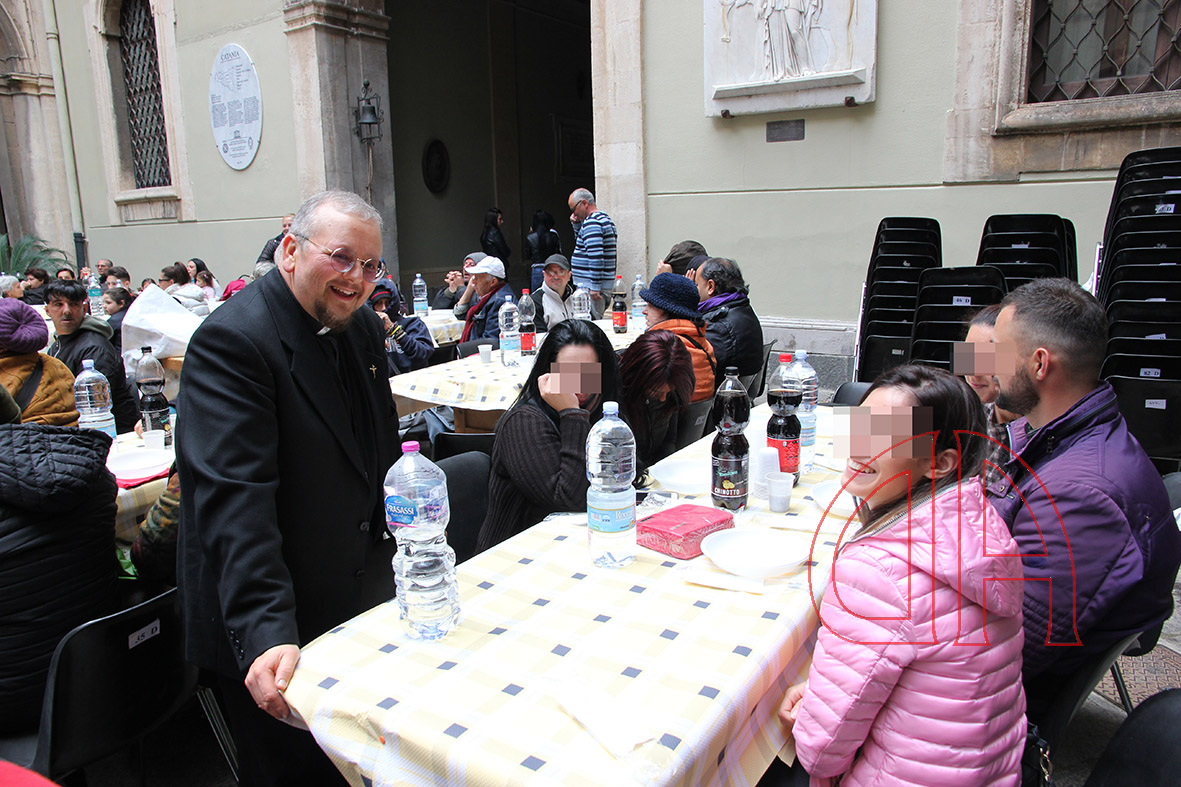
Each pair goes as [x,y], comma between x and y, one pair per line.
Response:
[800,216]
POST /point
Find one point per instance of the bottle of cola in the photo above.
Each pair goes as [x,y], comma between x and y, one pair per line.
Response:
[731,452]
[619,306]
[783,430]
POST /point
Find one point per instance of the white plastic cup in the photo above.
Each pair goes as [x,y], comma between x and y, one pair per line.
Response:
[779,485]
[763,460]
[486,353]
[154,439]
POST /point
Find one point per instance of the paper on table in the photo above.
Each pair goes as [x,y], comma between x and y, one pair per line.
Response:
[703,571]
[618,732]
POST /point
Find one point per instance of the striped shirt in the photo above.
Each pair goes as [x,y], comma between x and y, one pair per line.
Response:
[593,260]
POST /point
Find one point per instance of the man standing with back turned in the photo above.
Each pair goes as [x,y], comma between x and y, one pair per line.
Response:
[593,260]
[282,446]
[1086,506]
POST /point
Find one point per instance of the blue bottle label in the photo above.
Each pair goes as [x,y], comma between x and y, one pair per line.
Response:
[510,343]
[611,520]
[399,510]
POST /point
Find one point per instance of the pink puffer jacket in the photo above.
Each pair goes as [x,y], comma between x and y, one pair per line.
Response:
[930,694]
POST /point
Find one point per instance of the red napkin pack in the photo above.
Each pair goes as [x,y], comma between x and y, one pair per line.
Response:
[678,531]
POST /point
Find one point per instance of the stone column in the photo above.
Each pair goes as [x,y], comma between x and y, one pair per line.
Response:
[621,186]
[333,47]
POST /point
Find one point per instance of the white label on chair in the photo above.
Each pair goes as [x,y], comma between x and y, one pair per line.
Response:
[1148,371]
[1165,207]
[895,352]
[144,634]
[1019,246]
[1156,300]
[961,300]
[1155,404]
[1156,336]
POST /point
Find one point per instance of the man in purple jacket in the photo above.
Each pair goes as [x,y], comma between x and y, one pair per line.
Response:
[1087,508]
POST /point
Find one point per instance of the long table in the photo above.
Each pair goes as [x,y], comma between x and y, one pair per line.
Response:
[695,673]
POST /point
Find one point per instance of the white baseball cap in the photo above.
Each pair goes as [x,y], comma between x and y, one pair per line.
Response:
[491,265]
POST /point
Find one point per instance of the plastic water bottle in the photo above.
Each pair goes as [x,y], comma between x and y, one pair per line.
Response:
[807,413]
[611,500]
[417,513]
[580,302]
[731,453]
[95,294]
[92,397]
[510,333]
[619,306]
[418,289]
[784,394]
[638,304]
[527,311]
[153,404]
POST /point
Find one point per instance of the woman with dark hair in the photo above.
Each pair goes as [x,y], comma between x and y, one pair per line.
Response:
[181,287]
[916,675]
[539,456]
[197,265]
[492,241]
[115,303]
[671,305]
[656,372]
[541,244]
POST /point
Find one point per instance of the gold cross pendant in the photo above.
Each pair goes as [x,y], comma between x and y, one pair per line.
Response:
[373,371]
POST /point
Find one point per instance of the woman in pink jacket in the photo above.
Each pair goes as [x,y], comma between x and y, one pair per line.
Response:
[916,677]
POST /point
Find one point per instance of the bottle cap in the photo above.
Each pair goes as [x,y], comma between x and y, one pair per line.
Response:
[524,292]
[785,357]
[610,408]
[410,447]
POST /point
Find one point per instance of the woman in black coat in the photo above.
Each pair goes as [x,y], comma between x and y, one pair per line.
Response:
[492,241]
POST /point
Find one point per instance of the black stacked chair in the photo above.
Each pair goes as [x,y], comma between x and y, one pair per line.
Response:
[946,297]
[903,248]
[1015,240]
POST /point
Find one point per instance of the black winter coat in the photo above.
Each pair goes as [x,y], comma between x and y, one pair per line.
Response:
[737,337]
[57,553]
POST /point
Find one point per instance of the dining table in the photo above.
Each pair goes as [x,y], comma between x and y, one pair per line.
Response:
[665,672]
[480,392]
[141,475]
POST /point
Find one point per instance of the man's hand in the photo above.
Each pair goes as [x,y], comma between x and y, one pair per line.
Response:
[454,280]
[268,677]
[663,267]
[790,708]
[84,272]
[546,385]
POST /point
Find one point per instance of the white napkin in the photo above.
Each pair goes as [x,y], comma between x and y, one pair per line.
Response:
[618,731]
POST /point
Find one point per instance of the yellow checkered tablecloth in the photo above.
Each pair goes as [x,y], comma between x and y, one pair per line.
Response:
[700,670]
[473,385]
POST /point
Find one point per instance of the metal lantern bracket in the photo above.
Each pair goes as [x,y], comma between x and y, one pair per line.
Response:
[368,115]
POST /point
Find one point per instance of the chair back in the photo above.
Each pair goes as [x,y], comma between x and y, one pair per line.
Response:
[449,444]
[691,423]
[464,349]
[850,393]
[467,493]
[112,681]
[1143,749]
[1076,689]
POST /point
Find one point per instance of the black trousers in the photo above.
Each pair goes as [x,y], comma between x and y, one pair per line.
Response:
[270,752]
[780,775]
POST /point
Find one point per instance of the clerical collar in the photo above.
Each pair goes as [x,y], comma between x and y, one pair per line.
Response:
[323,330]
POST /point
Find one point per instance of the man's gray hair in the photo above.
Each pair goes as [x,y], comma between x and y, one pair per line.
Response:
[583,194]
[263,267]
[7,282]
[307,221]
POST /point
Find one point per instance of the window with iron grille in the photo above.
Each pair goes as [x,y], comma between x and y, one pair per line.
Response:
[145,107]
[1099,48]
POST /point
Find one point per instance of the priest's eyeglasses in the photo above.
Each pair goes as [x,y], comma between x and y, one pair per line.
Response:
[343,262]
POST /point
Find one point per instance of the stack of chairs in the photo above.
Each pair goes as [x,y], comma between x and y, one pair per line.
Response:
[1139,285]
[902,249]
[946,298]
[1027,246]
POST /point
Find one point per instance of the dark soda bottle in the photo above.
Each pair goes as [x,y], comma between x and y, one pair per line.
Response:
[619,306]
[731,452]
[783,429]
[153,404]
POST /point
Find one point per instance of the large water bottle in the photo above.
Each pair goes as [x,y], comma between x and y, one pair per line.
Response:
[807,414]
[638,286]
[730,454]
[417,512]
[92,397]
[611,500]
[580,302]
[94,294]
[418,289]
[153,404]
[510,333]
[527,311]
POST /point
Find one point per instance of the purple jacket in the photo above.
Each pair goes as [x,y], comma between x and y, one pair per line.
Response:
[1111,544]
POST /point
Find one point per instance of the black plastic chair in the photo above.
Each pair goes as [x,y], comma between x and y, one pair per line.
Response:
[850,393]
[1139,346]
[890,315]
[1142,330]
[965,276]
[891,302]
[906,247]
[1024,272]
[447,444]
[884,273]
[1024,256]
[939,331]
[1024,222]
[443,354]
[1150,367]
[905,289]
[879,353]
[111,682]
[932,352]
[1158,241]
[1152,411]
[756,383]
[691,422]
[1155,291]
[962,294]
[471,346]
[1139,311]
[887,328]
[909,223]
[938,312]
[1144,749]
[1117,274]
[1149,205]
[467,494]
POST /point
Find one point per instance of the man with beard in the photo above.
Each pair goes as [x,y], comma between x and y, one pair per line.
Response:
[1087,508]
[286,428]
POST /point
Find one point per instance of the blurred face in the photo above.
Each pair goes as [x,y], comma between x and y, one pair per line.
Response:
[576,370]
[66,316]
[1016,391]
[326,294]
[16,290]
[191,267]
[654,315]
[380,306]
[975,359]
[705,287]
[110,306]
[484,283]
[499,219]
[102,266]
[287,222]
[467,263]
[579,209]
[884,462]
[65,273]
[557,277]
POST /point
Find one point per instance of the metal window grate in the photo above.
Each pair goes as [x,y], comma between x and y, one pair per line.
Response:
[145,106]
[1097,48]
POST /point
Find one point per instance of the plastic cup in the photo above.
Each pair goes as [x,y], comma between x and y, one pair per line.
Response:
[779,485]
[486,353]
[154,439]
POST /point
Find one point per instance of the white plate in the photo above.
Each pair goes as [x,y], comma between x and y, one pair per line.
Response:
[824,492]
[686,475]
[759,553]
[136,463]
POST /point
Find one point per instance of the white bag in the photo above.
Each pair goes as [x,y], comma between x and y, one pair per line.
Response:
[156,320]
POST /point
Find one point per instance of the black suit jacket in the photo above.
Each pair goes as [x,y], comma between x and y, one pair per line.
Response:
[282,524]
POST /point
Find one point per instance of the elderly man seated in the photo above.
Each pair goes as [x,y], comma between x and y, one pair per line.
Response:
[408,341]
[1086,507]
[81,336]
[731,324]
[553,297]
[479,306]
